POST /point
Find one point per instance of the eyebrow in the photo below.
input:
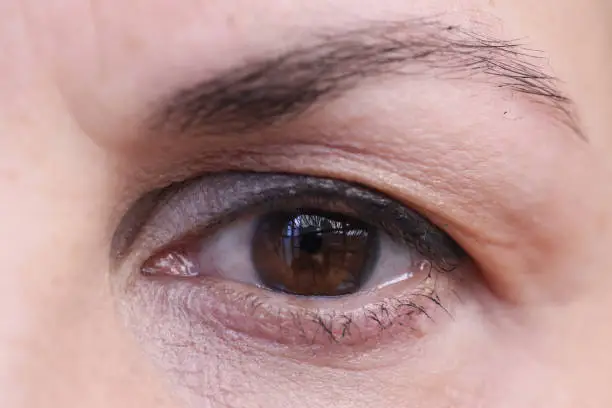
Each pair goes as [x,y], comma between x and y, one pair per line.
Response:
[266,91]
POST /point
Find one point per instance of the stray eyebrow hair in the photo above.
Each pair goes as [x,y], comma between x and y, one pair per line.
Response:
[265,91]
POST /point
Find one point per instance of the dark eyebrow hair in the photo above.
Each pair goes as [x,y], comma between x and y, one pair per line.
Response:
[264,92]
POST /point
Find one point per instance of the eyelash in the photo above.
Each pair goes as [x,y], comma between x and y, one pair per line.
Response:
[201,207]
[363,327]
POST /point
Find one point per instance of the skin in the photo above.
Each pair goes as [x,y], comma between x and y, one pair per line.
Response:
[527,199]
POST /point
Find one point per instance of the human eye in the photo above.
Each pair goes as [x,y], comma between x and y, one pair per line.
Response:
[292,259]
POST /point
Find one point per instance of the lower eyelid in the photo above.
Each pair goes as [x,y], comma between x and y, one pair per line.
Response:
[231,309]
[227,305]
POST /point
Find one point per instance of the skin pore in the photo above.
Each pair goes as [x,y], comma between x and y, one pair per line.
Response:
[133,130]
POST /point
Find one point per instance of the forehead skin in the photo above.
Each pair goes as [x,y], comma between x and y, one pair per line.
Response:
[77,78]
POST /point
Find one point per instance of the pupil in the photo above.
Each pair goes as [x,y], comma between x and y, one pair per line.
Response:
[313,253]
[310,242]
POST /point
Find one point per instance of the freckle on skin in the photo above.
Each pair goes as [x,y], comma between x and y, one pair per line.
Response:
[133,43]
[8,175]
[230,21]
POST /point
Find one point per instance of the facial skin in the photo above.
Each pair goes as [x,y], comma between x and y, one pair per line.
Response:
[96,118]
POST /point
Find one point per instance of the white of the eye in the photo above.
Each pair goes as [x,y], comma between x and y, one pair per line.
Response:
[395,264]
[228,255]
[228,252]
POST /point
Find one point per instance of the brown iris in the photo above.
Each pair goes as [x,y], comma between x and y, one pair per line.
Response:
[313,253]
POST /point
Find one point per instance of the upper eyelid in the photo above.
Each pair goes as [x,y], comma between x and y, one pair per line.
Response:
[129,230]
[154,204]
[163,205]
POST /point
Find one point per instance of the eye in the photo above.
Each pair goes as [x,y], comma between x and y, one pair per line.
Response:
[301,252]
[257,241]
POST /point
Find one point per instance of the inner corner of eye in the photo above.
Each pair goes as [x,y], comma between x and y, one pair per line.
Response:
[175,261]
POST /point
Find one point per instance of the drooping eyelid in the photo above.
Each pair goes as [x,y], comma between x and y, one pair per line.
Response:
[207,203]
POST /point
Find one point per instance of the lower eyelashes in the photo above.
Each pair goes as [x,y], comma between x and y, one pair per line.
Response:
[234,310]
